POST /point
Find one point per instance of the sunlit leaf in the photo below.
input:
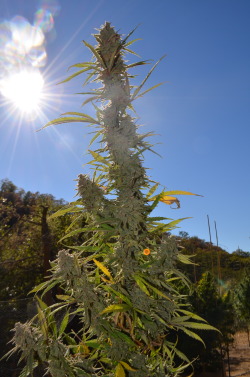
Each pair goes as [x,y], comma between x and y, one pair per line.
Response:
[146,78]
[91,120]
[127,366]
[98,157]
[63,211]
[80,65]
[115,308]
[103,268]
[148,90]
[119,371]
[178,192]
[170,200]
[67,120]
[93,50]
[75,74]
[152,190]
[90,99]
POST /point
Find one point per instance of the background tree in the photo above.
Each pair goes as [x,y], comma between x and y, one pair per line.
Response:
[241,299]
[218,311]
[24,249]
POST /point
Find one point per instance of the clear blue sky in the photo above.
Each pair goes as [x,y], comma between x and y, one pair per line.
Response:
[200,115]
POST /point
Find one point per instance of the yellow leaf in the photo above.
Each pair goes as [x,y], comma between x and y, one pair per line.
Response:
[103,268]
[119,371]
[170,200]
[179,192]
[107,281]
[127,366]
[115,308]
[83,349]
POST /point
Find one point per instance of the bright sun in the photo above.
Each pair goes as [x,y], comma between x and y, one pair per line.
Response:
[24,90]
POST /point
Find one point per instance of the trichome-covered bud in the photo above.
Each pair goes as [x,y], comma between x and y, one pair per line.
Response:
[90,193]
[67,266]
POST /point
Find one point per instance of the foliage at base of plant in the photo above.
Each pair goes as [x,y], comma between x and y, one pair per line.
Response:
[117,298]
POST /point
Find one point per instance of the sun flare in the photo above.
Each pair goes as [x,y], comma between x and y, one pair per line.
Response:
[24,90]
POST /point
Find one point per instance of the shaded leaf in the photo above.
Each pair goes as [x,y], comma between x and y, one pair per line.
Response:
[64,323]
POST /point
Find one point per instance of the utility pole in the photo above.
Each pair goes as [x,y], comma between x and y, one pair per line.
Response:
[218,256]
[208,222]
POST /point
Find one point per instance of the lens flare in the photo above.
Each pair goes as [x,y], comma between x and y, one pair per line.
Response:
[22,53]
[44,20]
[24,90]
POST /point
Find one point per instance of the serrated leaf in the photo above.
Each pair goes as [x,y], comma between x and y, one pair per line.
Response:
[131,42]
[178,192]
[64,323]
[170,200]
[42,304]
[158,218]
[119,371]
[42,321]
[65,298]
[141,285]
[80,65]
[122,336]
[91,120]
[143,62]
[89,76]
[152,190]
[63,211]
[131,52]
[181,355]
[74,75]
[103,268]
[185,258]
[127,36]
[107,281]
[97,134]
[99,157]
[66,120]
[148,90]
[73,233]
[191,315]
[119,294]
[192,335]
[98,57]
[173,223]
[200,326]
[156,290]
[90,99]
[146,78]
[127,366]
[39,287]
[115,308]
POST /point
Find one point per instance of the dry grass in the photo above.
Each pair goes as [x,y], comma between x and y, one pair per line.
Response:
[239,357]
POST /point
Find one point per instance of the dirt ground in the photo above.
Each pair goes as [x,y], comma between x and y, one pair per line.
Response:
[239,357]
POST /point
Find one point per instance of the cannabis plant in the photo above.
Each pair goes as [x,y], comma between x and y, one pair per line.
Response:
[118,310]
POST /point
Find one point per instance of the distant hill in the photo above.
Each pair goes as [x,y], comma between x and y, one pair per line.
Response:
[226,267]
